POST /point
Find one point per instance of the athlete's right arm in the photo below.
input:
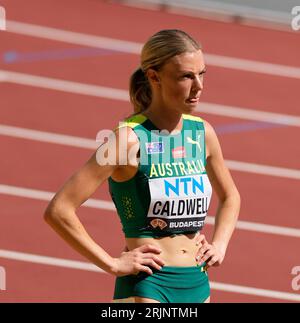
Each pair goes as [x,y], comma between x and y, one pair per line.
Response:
[61,216]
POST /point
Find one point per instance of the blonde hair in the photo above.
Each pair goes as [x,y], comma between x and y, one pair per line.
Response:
[156,52]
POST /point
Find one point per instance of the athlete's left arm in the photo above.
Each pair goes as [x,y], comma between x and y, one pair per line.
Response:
[229,202]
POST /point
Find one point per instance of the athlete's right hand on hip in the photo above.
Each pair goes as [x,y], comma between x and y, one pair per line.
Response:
[137,260]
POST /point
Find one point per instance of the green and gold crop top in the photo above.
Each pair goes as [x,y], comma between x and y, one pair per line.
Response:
[170,193]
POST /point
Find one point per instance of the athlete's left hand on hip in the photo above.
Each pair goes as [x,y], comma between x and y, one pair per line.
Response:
[208,253]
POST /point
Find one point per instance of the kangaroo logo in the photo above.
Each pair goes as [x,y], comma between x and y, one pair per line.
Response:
[195,142]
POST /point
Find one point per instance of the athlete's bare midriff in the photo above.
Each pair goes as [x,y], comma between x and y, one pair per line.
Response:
[179,250]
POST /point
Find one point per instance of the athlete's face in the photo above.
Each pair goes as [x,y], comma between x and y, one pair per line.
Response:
[181,81]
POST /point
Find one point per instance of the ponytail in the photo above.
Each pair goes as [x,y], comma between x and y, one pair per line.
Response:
[140,91]
[161,47]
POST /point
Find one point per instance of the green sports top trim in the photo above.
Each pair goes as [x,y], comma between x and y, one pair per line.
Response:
[170,192]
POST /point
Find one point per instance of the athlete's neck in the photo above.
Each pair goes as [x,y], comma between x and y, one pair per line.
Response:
[164,119]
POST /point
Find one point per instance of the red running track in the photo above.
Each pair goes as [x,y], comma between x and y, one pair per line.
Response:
[255,259]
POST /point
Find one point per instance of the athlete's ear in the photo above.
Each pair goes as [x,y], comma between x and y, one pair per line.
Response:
[153,76]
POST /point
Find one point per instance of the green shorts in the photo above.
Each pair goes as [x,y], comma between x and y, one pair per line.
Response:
[168,285]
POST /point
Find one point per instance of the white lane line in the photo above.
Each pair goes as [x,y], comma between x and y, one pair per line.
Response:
[3,76]
[122,95]
[135,48]
[262,228]
[73,37]
[253,66]
[248,114]
[51,261]
[109,206]
[255,291]
[71,264]
[73,141]
[64,86]
[263,169]
[49,137]
[47,196]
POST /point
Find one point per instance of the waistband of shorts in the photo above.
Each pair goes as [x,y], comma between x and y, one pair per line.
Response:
[179,269]
[176,277]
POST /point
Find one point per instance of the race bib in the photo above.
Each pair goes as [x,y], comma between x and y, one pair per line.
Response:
[179,203]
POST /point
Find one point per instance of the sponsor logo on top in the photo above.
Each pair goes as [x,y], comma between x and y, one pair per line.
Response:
[195,142]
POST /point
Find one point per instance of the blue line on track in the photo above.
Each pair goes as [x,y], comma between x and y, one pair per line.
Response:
[11,57]
[245,126]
